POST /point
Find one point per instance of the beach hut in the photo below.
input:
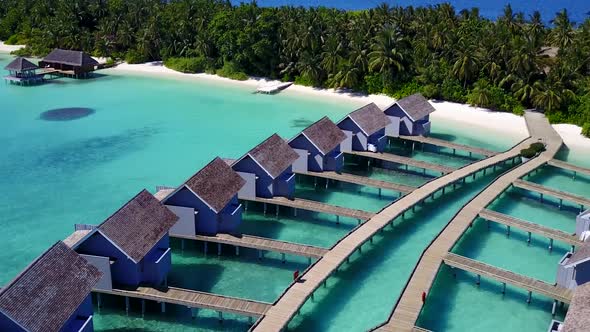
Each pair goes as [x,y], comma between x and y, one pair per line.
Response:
[410,116]
[574,268]
[268,169]
[583,222]
[75,64]
[321,145]
[207,203]
[578,312]
[23,72]
[131,247]
[365,129]
[50,295]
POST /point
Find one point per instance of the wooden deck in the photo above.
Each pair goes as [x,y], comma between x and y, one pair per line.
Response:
[529,227]
[360,180]
[403,161]
[254,242]
[283,310]
[568,166]
[530,186]
[555,292]
[449,145]
[194,299]
[409,305]
[304,204]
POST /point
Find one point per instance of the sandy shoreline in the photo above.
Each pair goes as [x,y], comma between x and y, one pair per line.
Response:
[9,48]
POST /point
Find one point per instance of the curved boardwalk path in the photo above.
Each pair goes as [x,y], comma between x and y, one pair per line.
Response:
[279,315]
[408,307]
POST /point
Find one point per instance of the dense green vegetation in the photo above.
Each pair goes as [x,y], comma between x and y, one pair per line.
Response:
[502,64]
[533,150]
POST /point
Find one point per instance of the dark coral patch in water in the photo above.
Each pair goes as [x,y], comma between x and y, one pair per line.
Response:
[66,114]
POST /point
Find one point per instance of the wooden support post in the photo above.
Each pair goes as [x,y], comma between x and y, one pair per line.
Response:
[573,248]
[295,212]
[541,197]
[424,171]
[338,220]
[219,249]
[528,300]
[308,260]
[379,192]
[371,240]
[315,182]
[472,176]
[260,254]
[478,280]
[246,206]
[550,245]
[193,312]
[360,248]
[488,222]
[127,305]
[348,260]
[283,257]
[454,151]
[250,320]
[575,174]
[553,309]
[220,316]
[503,288]
[325,283]
[205,247]
[484,171]
[470,154]
[560,203]
[327,182]
[142,308]
[581,208]
[359,221]
[528,241]
[264,208]
[237,251]
[466,180]
[98,300]
[507,231]
[443,190]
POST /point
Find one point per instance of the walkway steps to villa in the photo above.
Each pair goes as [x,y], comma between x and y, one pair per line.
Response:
[450,145]
[403,160]
[194,299]
[532,285]
[561,195]
[409,305]
[568,166]
[360,180]
[304,204]
[529,227]
[260,243]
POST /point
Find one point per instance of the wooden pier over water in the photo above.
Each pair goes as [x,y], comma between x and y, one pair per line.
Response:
[360,180]
[409,305]
[568,166]
[193,299]
[529,227]
[450,145]
[288,304]
[403,161]
[561,195]
[260,243]
[555,292]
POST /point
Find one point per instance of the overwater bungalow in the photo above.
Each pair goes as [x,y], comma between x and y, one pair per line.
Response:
[574,268]
[76,64]
[365,129]
[578,313]
[50,295]
[207,203]
[409,116]
[131,247]
[321,145]
[583,222]
[268,169]
[22,72]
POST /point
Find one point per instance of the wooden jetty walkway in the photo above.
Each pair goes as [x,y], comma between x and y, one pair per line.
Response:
[568,166]
[403,161]
[555,292]
[409,305]
[561,195]
[194,299]
[288,304]
[450,145]
[529,227]
[314,206]
[360,180]
[260,243]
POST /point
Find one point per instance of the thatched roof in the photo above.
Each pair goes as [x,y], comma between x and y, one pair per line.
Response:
[72,58]
[21,64]
[578,314]
[369,118]
[274,155]
[216,184]
[415,106]
[138,225]
[325,135]
[46,294]
[581,255]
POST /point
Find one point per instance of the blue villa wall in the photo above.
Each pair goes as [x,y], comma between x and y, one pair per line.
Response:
[264,183]
[6,324]
[407,126]
[317,162]
[582,273]
[349,125]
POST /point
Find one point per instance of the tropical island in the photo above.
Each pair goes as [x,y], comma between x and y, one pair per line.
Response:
[510,64]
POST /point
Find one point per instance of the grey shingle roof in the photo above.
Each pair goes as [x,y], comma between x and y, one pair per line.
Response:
[50,290]
[274,155]
[325,135]
[578,313]
[72,58]
[370,118]
[217,183]
[139,225]
[21,64]
[581,254]
[416,106]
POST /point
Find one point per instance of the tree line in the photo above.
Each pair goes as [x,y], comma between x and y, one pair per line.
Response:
[509,64]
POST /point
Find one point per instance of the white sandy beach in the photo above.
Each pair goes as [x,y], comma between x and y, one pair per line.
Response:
[9,48]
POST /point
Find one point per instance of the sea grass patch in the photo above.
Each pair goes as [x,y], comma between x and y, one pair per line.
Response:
[66,114]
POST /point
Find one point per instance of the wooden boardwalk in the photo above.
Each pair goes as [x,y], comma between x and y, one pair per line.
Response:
[304,204]
[260,243]
[194,299]
[568,166]
[530,227]
[404,161]
[449,145]
[542,190]
[360,180]
[288,304]
[409,305]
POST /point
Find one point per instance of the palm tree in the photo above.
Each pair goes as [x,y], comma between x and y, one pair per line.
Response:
[467,62]
[387,56]
[562,34]
[331,56]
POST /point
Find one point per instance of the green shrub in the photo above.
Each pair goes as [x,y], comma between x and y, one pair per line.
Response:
[537,147]
[405,89]
[528,153]
[373,84]
[230,70]
[187,65]
[12,40]
[303,80]
[452,90]
[25,51]
[134,56]
[431,91]
[586,129]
